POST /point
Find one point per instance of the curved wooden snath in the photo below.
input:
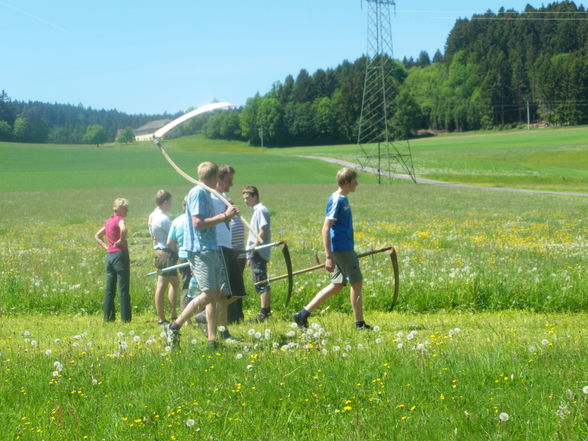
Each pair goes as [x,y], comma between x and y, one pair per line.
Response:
[394,259]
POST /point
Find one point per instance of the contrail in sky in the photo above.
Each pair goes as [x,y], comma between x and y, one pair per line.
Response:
[28,14]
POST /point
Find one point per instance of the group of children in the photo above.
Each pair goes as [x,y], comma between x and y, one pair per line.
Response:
[209,236]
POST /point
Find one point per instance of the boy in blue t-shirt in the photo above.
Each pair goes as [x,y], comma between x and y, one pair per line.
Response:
[341,259]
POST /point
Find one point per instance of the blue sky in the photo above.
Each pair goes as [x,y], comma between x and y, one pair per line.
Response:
[155,56]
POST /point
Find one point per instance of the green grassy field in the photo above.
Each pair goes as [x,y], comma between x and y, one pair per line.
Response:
[508,270]
[539,159]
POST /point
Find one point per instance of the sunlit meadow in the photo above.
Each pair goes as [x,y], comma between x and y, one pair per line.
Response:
[488,340]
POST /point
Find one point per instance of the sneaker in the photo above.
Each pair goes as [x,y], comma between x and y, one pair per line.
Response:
[172,335]
[261,317]
[363,327]
[228,338]
[302,322]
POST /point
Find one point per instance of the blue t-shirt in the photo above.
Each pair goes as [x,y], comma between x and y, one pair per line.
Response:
[176,233]
[199,204]
[339,210]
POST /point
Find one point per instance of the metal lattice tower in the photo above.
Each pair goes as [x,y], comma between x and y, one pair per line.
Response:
[376,147]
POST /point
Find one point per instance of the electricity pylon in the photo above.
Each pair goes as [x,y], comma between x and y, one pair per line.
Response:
[376,147]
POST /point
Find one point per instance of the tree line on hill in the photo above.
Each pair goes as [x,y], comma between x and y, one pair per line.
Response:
[40,122]
[499,70]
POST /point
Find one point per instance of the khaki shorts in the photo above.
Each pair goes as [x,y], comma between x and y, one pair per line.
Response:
[346,268]
[207,268]
[166,258]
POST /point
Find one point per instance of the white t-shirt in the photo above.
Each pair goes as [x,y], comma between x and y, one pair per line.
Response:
[223,230]
[159,225]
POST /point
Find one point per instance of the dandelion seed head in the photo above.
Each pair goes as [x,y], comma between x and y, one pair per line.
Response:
[251,332]
[544,342]
[503,416]
[239,356]
[190,422]
[585,390]
[376,328]
[221,329]
[378,340]
[48,352]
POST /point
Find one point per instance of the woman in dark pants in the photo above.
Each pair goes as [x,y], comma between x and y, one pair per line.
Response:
[118,267]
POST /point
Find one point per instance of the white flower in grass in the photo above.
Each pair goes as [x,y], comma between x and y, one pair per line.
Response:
[275,345]
[123,345]
[48,352]
[77,337]
[544,342]
[335,348]
[399,345]
[27,340]
[251,332]
[420,347]
[131,332]
[376,328]
[190,422]
[194,342]
[344,355]
[359,346]
[222,329]
[26,333]
[136,339]
[267,333]
[285,347]
[162,334]
[89,344]
[585,390]
[239,356]
[532,348]
[55,373]
[168,349]
[33,342]
[503,416]
[249,366]
[347,348]
[75,344]
[84,334]
[94,381]
[411,335]
[290,334]
[456,330]
[149,342]
[315,326]
[378,340]
[258,335]
[57,341]
[120,334]
[399,335]
[293,325]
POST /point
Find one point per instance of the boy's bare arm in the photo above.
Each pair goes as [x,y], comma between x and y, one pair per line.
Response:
[326,233]
[200,223]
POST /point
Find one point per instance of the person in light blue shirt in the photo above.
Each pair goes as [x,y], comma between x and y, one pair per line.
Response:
[175,242]
[341,259]
[203,254]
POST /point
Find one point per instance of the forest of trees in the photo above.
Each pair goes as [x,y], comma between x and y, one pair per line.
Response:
[62,123]
[498,70]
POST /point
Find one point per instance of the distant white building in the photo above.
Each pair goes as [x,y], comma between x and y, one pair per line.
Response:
[146,131]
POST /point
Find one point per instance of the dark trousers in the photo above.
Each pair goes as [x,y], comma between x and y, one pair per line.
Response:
[235,309]
[118,269]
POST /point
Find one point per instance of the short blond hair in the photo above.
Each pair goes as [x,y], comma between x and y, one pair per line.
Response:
[207,170]
[161,196]
[345,175]
[120,203]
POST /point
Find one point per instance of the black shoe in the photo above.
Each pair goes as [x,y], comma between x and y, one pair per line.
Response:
[302,322]
[261,317]
[363,326]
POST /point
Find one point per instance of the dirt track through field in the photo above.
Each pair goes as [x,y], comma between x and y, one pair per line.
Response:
[441,183]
